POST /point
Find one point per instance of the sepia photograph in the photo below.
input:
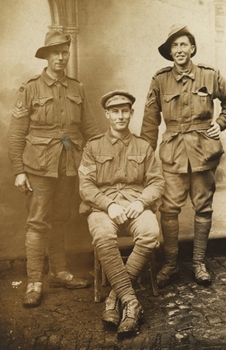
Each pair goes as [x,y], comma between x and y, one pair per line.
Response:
[113,175]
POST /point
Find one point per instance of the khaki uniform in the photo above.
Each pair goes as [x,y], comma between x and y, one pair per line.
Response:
[50,122]
[186,104]
[120,171]
[189,156]
[112,167]
[48,116]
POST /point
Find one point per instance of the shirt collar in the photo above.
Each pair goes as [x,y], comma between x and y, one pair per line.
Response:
[179,74]
[49,81]
[113,139]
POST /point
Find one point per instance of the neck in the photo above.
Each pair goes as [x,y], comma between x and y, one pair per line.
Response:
[184,68]
[119,134]
[54,75]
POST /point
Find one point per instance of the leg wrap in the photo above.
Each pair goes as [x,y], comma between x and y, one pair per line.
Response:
[115,270]
[202,229]
[137,261]
[35,250]
[170,231]
[56,249]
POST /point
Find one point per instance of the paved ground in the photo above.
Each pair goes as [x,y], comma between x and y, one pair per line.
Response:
[184,316]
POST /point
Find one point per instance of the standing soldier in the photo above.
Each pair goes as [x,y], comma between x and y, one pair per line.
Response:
[50,120]
[191,149]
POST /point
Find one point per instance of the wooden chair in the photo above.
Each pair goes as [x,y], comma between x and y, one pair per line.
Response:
[125,246]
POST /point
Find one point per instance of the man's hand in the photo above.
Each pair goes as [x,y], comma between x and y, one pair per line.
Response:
[134,209]
[22,183]
[117,213]
[214,131]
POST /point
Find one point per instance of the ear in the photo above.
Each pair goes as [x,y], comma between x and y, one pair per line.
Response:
[131,113]
[192,48]
[106,111]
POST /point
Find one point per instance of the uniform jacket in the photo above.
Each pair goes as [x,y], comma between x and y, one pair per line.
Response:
[112,166]
[186,103]
[47,116]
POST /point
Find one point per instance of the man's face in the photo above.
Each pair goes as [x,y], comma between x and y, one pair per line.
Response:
[119,116]
[181,50]
[58,58]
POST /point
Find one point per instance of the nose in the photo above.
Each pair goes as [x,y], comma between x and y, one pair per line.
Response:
[60,56]
[120,114]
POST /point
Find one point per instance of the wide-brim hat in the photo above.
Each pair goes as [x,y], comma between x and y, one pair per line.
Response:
[53,38]
[175,31]
[117,97]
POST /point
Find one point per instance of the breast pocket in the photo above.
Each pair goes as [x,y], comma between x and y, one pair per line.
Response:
[105,169]
[170,106]
[74,106]
[135,168]
[42,110]
[202,102]
[35,152]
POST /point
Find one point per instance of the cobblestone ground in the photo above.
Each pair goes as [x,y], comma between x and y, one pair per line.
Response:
[184,316]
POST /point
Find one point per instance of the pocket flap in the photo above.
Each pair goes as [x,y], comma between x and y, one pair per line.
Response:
[136,158]
[169,97]
[103,158]
[77,143]
[34,140]
[41,101]
[75,98]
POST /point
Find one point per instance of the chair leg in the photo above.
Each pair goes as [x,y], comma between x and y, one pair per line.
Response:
[153,275]
[97,270]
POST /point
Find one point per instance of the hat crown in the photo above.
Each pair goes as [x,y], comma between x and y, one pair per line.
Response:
[176,28]
[117,97]
[55,38]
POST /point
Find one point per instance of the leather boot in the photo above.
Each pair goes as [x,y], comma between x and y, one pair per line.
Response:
[33,295]
[112,312]
[65,279]
[202,230]
[170,231]
[132,317]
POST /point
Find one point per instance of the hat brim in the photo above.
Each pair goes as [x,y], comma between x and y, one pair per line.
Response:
[41,52]
[164,49]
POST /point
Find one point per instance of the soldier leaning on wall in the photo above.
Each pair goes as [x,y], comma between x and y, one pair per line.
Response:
[50,120]
[191,149]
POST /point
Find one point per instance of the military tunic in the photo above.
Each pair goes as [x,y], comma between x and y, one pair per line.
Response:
[120,171]
[186,103]
[49,116]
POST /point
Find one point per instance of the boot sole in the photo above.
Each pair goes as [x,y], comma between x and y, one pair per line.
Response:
[67,286]
[171,279]
[203,282]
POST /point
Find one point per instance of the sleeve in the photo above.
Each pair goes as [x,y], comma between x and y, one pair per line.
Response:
[153,181]
[88,189]
[89,126]
[221,94]
[18,129]
[152,115]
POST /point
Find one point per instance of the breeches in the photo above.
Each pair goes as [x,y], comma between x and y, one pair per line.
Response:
[50,201]
[200,186]
[144,229]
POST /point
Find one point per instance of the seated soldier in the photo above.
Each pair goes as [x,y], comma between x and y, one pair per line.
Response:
[120,185]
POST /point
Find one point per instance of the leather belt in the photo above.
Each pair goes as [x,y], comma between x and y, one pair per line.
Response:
[183,128]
